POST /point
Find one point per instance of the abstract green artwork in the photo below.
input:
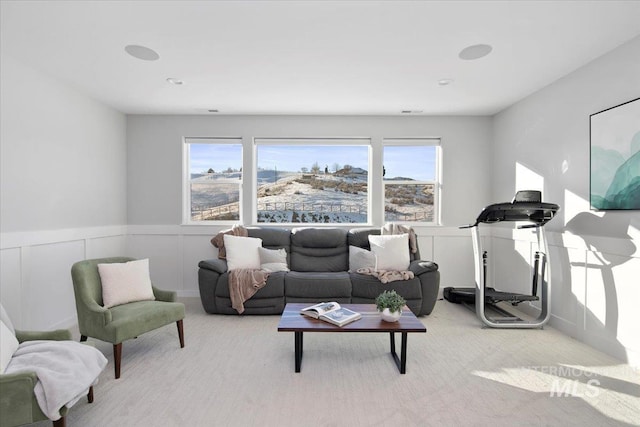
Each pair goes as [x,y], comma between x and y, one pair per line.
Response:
[615,157]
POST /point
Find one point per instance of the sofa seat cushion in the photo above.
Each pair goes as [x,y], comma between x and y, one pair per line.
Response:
[136,318]
[273,289]
[314,285]
[365,286]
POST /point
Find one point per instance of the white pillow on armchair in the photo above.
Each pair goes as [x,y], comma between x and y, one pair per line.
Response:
[125,282]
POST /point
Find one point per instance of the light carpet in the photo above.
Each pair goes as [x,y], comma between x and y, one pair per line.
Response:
[239,371]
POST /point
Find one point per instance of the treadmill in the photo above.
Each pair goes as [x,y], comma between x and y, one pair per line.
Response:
[526,206]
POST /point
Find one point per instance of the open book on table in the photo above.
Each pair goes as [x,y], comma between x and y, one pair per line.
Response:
[331,312]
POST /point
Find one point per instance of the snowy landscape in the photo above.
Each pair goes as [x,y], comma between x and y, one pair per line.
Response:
[299,197]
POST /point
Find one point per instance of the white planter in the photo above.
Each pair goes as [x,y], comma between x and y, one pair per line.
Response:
[388,316]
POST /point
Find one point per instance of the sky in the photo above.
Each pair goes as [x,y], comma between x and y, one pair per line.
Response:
[415,162]
[215,156]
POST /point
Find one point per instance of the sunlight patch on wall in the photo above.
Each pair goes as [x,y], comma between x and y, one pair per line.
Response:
[526,179]
[628,294]
[634,234]
[596,298]
[574,205]
[577,260]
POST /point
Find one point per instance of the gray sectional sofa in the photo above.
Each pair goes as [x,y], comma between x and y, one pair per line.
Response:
[319,263]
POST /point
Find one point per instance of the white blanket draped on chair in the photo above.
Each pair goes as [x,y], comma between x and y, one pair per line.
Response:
[65,369]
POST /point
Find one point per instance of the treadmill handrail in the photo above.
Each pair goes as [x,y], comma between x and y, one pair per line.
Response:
[538,213]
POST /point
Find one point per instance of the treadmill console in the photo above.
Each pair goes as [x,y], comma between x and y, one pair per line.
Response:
[532,196]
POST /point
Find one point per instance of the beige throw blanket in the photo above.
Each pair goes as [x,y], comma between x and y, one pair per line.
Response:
[243,284]
[391,228]
[218,240]
[386,276]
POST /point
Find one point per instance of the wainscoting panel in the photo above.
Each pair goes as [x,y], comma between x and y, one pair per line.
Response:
[196,248]
[48,296]
[510,262]
[109,246]
[595,294]
[567,287]
[454,256]
[626,275]
[425,244]
[36,287]
[11,284]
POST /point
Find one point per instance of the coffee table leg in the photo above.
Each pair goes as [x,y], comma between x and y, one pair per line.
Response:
[403,353]
[298,349]
[401,362]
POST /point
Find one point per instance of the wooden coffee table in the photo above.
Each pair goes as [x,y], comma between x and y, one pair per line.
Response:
[293,321]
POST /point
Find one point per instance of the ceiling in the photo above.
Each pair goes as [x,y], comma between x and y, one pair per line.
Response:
[312,57]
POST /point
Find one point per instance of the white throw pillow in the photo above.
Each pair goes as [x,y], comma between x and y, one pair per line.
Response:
[272,260]
[242,252]
[391,251]
[8,346]
[125,282]
[360,258]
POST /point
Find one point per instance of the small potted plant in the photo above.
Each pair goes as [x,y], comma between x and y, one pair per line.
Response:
[390,304]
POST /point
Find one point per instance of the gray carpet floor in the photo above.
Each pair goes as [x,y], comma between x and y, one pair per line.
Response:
[239,371]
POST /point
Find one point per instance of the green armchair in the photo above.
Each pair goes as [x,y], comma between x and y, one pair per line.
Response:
[18,404]
[121,322]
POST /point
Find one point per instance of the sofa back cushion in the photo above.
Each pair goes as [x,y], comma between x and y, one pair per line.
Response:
[319,249]
[273,238]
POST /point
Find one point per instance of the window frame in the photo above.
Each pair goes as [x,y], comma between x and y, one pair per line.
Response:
[311,141]
[186,178]
[437,182]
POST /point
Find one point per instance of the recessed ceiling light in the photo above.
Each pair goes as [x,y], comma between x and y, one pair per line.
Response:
[141,52]
[445,82]
[476,51]
[175,81]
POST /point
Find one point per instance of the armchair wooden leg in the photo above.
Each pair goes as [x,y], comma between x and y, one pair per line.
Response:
[60,423]
[83,338]
[180,333]
[117,356]
[90,395]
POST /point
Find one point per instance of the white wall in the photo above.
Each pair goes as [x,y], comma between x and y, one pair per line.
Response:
[155,183]
[543,143]
[63,191]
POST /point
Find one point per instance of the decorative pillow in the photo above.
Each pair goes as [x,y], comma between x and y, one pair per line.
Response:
[391,251]
[242,252]
[125,282]
[360,258]
[272,260]
[8,346]
[4,317]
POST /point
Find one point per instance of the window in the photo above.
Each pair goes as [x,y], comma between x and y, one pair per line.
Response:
[312,180]
[214,179]
[410,178]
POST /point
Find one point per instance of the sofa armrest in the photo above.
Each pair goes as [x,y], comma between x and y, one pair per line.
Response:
[217,265]
[16,405]
[95,312]
[56,335]
[162,295]
[419,267]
